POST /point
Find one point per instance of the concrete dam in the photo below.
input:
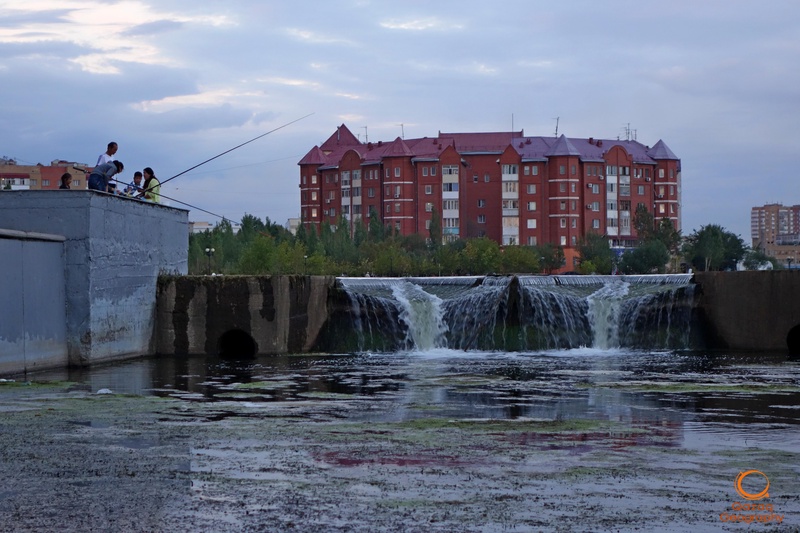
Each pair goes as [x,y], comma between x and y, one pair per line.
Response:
[235,316]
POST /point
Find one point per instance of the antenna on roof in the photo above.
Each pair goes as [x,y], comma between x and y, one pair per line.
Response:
[628,131]
[366,135]
[512,124]
[556,119]
[402,132]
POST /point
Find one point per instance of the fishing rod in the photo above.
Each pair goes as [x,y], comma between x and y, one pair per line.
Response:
[234,148]
[138,197]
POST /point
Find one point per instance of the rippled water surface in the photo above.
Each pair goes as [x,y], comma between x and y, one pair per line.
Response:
[693,399]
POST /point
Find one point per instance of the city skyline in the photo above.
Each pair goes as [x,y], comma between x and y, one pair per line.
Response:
[176,83]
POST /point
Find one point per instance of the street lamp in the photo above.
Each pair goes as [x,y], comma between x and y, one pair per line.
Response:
[305,265]
[209,253]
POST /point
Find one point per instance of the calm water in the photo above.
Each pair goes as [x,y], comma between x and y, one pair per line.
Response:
[695,399]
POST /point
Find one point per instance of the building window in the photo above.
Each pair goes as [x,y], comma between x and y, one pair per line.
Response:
[481,203]
[481,219]
[396,172]
[531,206]
[433,171]
[563,222]
[671,174]
[304,180]
[474,178]
[574,223]
[509,186]
[486,177]
[573,170]
[563,240]
[387,190]
[429,207]
[531,241]
[449,170]
[449,187]
[640,189]
[611,205]
[526,170]
[611,187]
[572,186]
[397,207]
[313,179]
[510,169]
[562,170]
[388,207]
[45,183]
[429,189]
[371,192]
[510,204]
[427,224]
[596,223]
[77,183]
[450,204]
[535,170]
[313,212]
[562,187]
[386,173]
[660,172]
[424,171]
[532,188]
[531,223]
[397,190]
[333,212]
[563,205]
[313,196]
[574,240]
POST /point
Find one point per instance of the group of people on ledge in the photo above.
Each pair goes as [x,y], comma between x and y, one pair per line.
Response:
[102,178]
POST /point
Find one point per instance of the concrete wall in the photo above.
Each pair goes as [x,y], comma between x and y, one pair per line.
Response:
[33,323]
[754,310]
[283,314]
[115,249]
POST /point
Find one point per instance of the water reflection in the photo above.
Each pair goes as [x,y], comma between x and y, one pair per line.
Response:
[681,393]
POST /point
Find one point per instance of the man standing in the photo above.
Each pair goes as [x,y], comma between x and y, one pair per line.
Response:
[108,156]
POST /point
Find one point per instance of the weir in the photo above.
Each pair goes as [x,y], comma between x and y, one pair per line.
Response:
[515,313]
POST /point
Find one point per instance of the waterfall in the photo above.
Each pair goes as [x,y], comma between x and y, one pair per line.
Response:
[520,313]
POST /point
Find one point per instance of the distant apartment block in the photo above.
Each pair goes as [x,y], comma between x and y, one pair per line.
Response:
[40,177]
[505,186]
[775,230]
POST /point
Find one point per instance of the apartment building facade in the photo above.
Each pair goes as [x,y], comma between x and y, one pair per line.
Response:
[40,177]
[775,230]
[514,189]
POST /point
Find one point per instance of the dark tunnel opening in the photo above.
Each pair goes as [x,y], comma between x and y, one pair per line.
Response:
[793,340]
[236,344]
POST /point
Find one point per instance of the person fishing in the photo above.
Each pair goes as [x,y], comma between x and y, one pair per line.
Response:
[98,179]
[152,187]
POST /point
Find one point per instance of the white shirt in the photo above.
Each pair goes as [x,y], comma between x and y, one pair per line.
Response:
[104,158]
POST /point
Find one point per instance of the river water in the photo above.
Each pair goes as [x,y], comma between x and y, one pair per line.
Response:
[697,398]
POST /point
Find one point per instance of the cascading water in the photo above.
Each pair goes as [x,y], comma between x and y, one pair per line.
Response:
[604,313]
[422,314]
[520,313]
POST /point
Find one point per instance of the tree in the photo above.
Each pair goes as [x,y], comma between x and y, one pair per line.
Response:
[713,248]
[595,250]
[482,256]
[377,233]
[552,257]
[435,231]
[758,260]
[519,259]
[650,257]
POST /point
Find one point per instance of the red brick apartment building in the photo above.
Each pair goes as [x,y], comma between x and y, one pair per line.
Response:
[508,187]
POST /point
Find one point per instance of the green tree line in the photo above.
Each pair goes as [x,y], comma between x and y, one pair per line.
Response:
[263,247]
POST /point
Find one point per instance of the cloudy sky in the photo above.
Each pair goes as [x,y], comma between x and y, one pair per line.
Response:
[176,82]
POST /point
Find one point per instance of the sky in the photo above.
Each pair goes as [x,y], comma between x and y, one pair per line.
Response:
[178,82]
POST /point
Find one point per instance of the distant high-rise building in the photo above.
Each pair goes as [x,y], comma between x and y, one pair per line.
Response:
[505,186]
